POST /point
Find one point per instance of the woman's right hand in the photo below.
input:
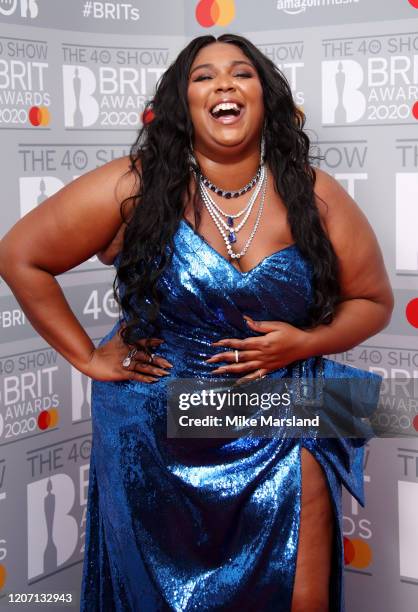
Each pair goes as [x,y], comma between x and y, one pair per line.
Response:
[106,361]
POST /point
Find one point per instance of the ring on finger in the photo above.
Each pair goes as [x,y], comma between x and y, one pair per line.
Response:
[128,359]
[236,356]
[151,358]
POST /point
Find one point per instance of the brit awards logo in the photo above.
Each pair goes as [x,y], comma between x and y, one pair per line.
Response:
[111,91]
[33,190]
[24,75]
[406,222]
[80,393]
[343,101]
[56,504]
[28,8]
[289,58]
[50,501]
[3,541]
[81,108]
[357,530]
[407,521]
[30,394]
[370,80]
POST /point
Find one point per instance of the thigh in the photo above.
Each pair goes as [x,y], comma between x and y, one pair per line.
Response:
[313,564]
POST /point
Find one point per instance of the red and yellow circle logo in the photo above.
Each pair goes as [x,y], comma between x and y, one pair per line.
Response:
[411,312]
[215,12]
[3,575]
[48,418]
[357,553]
[39,115]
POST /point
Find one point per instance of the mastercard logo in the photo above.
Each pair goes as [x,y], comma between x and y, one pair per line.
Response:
[48,418]
[39,115]
[215,12]
[357,553]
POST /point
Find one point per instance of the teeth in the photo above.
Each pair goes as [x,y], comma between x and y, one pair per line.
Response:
[225,106]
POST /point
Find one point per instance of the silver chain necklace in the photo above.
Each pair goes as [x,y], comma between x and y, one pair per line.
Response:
[229,223]
[228,239]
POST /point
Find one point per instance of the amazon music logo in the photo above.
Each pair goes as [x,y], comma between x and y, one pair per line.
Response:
[215,12]
[297,7]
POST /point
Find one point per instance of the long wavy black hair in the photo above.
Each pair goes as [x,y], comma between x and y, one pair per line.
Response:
[160,160]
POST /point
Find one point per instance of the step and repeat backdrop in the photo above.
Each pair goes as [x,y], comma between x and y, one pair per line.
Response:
[74,77]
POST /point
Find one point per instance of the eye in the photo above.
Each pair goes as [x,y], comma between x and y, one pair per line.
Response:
[244,75]
[202,77]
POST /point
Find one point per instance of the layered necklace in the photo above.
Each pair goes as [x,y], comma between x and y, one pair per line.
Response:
[225,221]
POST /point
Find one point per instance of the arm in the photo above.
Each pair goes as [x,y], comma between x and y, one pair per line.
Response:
[69,227]
[367,297]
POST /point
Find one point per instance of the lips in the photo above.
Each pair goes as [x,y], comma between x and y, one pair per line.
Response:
[227,111]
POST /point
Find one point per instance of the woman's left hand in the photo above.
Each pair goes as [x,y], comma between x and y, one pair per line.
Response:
[279,345]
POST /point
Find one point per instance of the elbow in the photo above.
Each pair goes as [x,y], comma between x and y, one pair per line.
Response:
[387,303]
[11,261]
[5,259]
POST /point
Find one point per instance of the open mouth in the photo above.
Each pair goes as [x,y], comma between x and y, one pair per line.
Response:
[226,112]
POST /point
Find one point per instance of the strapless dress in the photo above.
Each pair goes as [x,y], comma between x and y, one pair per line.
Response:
[208,527]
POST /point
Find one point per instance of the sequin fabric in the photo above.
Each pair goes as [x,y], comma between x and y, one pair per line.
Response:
[205,526]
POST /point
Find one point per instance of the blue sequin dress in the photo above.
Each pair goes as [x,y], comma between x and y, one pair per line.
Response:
[215,527]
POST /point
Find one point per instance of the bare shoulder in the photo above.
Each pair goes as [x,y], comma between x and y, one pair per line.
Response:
[362,270]
[115,179]
[340,214]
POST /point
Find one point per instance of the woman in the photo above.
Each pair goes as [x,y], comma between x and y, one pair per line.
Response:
[235,258]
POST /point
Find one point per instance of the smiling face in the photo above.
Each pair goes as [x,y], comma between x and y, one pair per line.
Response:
[225,99]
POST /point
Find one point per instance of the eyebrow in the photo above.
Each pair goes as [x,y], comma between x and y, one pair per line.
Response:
[233,63]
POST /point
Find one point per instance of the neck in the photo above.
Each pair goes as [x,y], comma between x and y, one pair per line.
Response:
[229,174]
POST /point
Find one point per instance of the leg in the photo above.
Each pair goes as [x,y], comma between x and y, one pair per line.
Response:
[314,556]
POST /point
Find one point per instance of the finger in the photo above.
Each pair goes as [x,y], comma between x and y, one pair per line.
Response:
[141,377]
[143,357]
[163,363]
[229,356]
[257,375]
[236,343]
[237,368]
[262,326]
[140,366]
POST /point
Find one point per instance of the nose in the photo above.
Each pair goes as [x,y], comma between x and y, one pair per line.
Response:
[224,83]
